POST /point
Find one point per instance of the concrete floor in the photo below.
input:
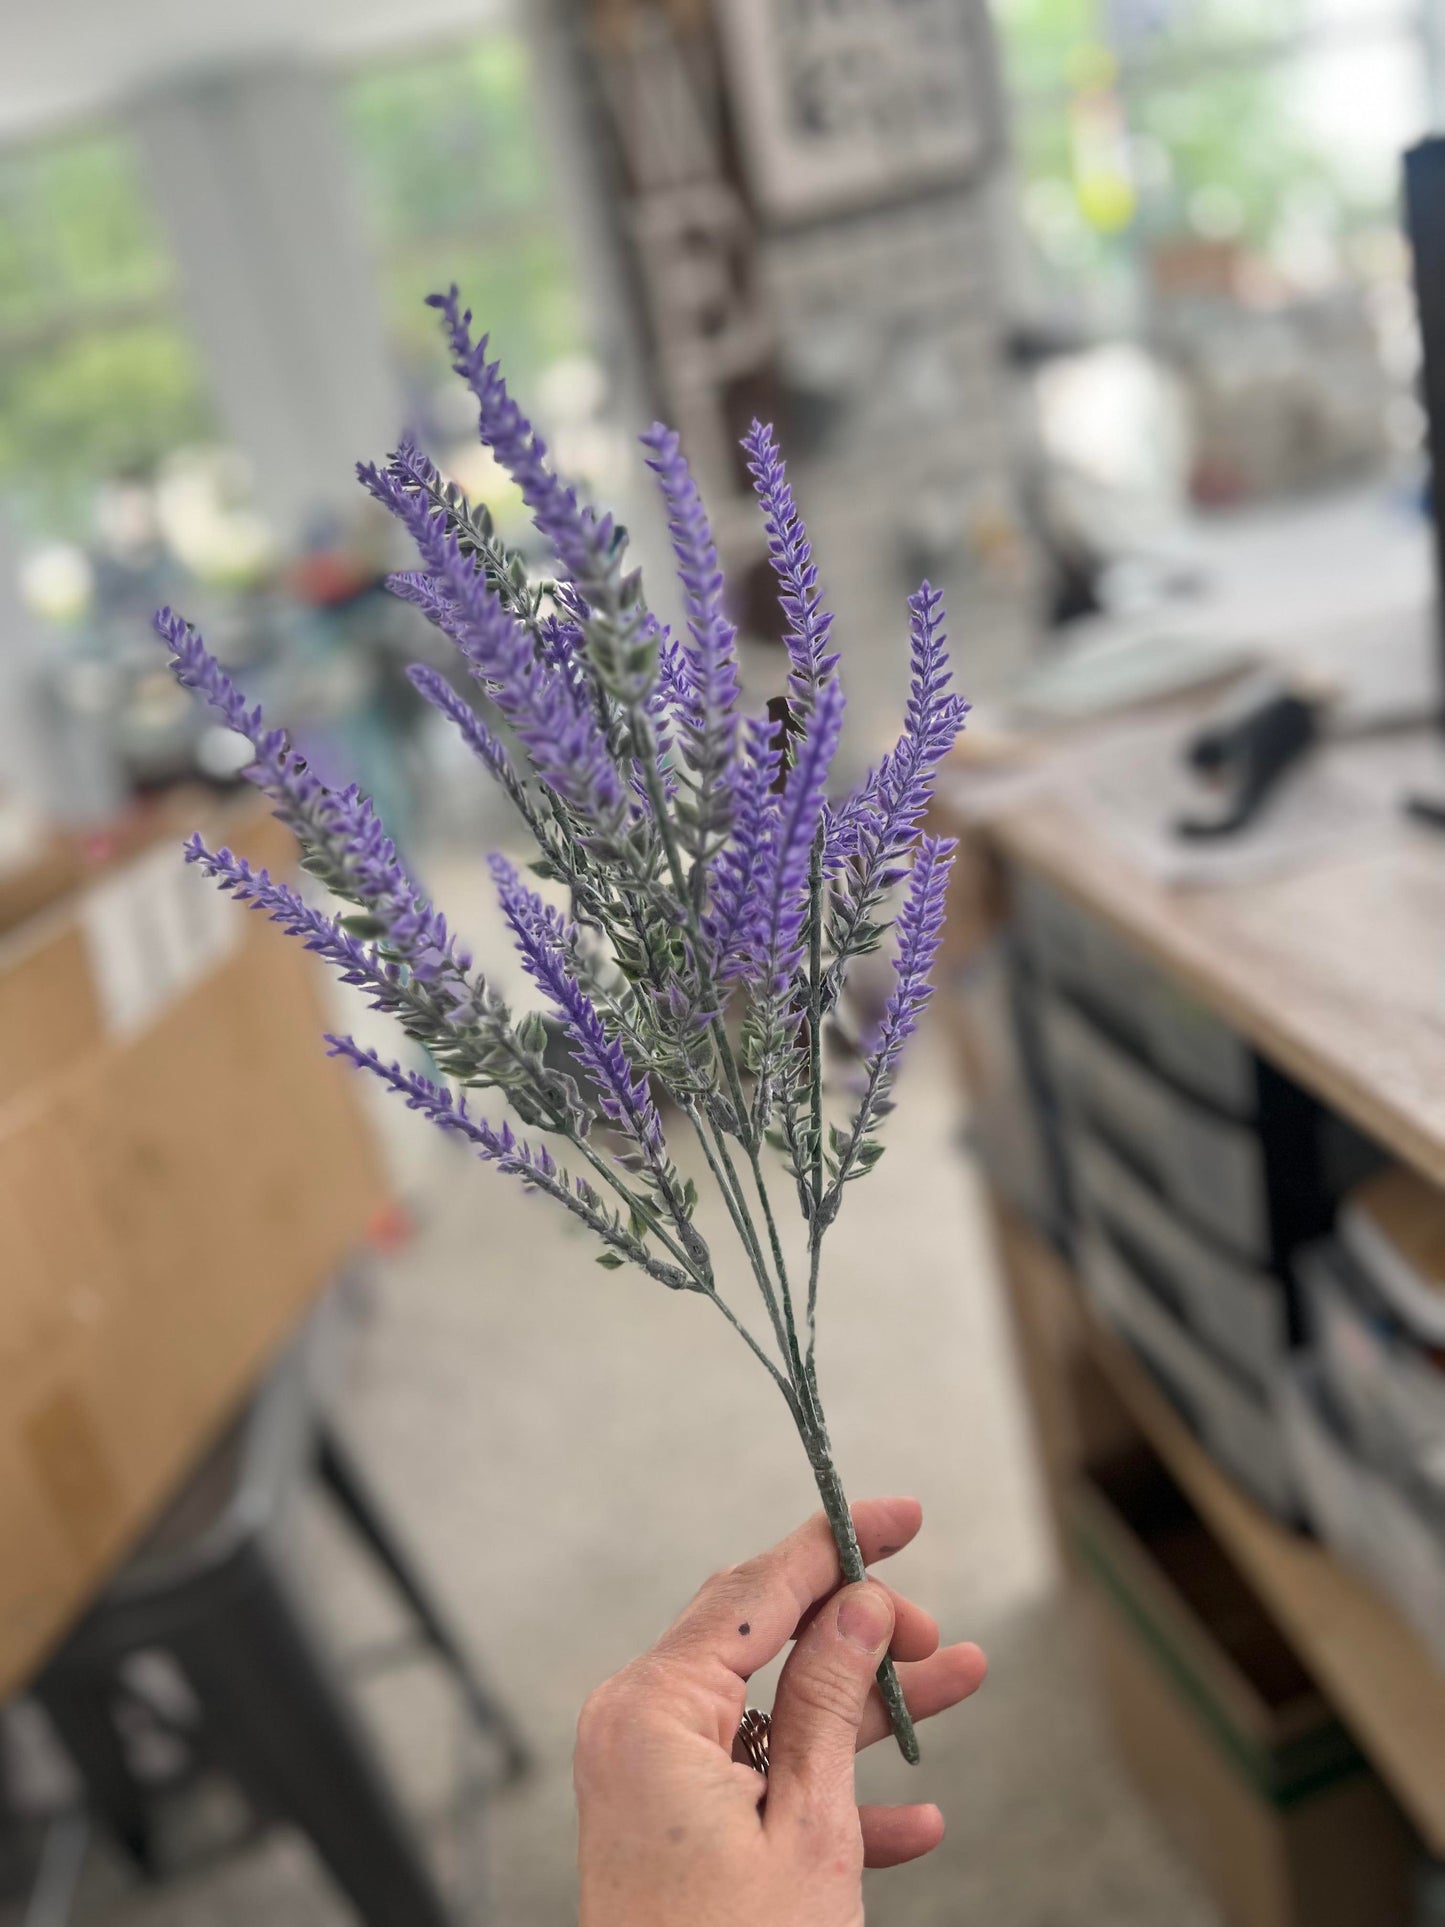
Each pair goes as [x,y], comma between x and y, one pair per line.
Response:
[573,1450]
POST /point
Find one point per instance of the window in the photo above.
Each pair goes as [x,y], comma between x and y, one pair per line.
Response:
[1146,122]
[98,375]
[1222,181]
[454,183]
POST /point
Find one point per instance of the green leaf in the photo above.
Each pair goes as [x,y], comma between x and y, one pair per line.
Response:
[532,1032]
[610,1261]
[362,924]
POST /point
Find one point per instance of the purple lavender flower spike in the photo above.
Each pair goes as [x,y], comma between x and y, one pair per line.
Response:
[196,668]
[547,942]
[799,817]
[674,678]
[708,718]
[554,718]
[448,1113]
[868,837]
[500,1146]
[489,752]
[577,536]
[324,935]
[424,592]
[920,927]
[736,923]
[809,623]
[339,828]
[891,803]
[934,716]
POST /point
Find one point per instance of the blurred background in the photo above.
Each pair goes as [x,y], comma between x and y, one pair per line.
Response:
[331,1478]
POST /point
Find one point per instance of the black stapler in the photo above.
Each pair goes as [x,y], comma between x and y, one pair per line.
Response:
[1244,750]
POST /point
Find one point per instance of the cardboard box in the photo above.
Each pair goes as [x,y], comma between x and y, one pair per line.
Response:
[176,1189]
[115,937]
[1221,1727]
[64,861]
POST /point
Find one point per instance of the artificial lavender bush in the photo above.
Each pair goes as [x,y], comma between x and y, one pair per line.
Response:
[716,895]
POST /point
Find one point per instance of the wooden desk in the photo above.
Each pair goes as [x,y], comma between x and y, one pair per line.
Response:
[1337,974]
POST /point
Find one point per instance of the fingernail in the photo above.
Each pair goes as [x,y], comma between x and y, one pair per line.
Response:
[865,1618]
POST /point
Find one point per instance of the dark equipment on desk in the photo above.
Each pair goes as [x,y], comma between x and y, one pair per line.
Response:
[1244,750]
[1425,219]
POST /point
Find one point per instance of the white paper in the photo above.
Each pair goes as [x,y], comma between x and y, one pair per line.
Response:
[153,930]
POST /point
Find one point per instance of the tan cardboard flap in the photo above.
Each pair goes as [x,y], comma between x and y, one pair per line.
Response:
[172,1205]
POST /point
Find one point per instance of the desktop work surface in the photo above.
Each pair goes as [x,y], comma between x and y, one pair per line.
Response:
[1331,974]
[1335,972]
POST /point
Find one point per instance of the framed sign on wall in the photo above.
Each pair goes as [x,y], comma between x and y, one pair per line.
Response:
[847,103]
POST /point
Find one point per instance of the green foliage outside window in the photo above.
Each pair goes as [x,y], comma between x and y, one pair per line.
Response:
[97,371]
[1208,134]
[454,184]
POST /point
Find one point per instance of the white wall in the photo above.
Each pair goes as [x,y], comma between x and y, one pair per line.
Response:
[63,59]
[249,173]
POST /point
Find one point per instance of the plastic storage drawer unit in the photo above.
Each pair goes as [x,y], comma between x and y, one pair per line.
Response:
[1236,1426]
[1169,1029]
[1240,1311]
[1261,1188]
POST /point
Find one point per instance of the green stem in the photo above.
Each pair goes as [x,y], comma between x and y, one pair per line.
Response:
[815,1078]
[840,1518]
[649,1217]
[743,1225]
[753,1346]
[815,1252]
[802,1362]
[848,1156]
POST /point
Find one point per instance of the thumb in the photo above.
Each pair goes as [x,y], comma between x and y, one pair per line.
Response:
[819,1703]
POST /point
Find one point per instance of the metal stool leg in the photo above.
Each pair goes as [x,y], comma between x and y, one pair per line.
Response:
[273,1709]
[347,1485]
[80,1704]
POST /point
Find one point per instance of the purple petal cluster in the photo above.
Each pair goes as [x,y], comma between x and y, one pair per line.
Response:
[710,662]
[809,623]
[736,922]
[800,815]
[499,1146]
[920,927]
[674,678]
[484,745]
[878,822]
[579,538]
[868,837]
[194,667]
[547,943]
[339,827]
[326,936]
[554,718]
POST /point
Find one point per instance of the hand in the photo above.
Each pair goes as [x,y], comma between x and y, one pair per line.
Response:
[673,1832]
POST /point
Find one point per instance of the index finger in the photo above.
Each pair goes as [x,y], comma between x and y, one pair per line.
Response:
[745,1615]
